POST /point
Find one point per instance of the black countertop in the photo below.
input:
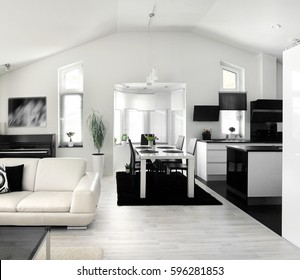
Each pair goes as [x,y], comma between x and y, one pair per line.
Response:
[236,141]
[226,141]
[246,149]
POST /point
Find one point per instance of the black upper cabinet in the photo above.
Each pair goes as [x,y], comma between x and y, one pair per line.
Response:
[266,110]
[233,100]
[208,113]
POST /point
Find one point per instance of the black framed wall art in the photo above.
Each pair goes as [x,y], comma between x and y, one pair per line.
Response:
[27,112]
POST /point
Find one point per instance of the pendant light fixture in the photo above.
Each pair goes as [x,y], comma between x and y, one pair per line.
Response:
[152,77]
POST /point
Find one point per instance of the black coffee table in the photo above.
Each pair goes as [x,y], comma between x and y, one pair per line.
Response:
[23,243]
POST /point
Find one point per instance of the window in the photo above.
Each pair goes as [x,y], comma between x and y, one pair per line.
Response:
[232,77]
[178,124]
[70,103]
[158,124]
[118,126]
[231,118]
[229,79]
[232,81]
[136,122]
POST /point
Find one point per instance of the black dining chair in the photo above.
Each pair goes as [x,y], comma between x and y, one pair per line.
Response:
[144,140]
[135,166]
[191,148]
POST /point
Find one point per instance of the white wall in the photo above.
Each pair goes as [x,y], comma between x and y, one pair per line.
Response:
[279,81]
[122,57]
[268,76]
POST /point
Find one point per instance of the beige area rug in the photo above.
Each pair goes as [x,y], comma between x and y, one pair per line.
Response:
[71,253]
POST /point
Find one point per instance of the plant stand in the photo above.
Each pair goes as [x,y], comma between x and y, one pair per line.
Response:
[98,163]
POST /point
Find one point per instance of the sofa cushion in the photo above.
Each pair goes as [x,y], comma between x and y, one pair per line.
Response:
[10,201]
[14,176]
[3,180]
[59,174]
[46,202]
[29,171]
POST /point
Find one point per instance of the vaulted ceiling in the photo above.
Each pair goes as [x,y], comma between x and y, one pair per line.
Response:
[33,29]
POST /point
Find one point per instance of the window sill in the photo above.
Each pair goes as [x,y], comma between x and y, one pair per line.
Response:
[75,146]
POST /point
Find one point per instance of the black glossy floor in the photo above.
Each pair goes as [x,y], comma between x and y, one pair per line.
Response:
[269,215]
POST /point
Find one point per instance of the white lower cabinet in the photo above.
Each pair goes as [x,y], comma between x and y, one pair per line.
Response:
[212,158]
[211,161]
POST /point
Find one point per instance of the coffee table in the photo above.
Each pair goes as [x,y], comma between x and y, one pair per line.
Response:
[23,243]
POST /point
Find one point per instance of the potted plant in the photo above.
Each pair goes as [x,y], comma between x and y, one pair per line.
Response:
[151,139]
[124,138]
[70,134]
[206,134]
[127,167]
[231,129]
[97,128]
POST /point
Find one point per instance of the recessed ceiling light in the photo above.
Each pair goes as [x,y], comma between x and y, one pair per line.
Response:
[276,26]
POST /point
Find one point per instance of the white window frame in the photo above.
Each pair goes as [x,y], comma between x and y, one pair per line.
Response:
[63,71]
[146,125]
[63,92]
[240,76]
[240,87]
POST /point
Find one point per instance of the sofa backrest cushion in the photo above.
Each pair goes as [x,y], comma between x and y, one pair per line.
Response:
[59,174]
[29,171]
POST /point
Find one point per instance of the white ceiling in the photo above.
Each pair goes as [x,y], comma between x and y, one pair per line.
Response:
[34,29]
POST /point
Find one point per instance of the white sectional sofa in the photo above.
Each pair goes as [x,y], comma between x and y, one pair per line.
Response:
[55,192]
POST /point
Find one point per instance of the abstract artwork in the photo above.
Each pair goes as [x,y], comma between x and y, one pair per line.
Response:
[29,111]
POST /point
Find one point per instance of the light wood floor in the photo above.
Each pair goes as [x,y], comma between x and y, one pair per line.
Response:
[175,232]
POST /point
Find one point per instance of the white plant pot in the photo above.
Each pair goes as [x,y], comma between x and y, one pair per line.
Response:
[70,144]
[151,143]
[98,163]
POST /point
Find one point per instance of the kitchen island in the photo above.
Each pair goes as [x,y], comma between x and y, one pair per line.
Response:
[211,159]
[254,173]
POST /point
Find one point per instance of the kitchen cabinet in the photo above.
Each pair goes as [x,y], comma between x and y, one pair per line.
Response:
[212,157]
[211,161]
[233,100]
[254,173]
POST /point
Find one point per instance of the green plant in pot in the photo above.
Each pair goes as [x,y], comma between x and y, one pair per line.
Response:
[97,128]
[231,129]
[206,134]
[124,138]
[70,134]
[151,139]
[127,167]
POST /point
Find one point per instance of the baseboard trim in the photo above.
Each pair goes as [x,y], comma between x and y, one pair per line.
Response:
[272,200]
[76,227]
[216,178]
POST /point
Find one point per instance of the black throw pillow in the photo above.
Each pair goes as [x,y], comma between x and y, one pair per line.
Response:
[14,177]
